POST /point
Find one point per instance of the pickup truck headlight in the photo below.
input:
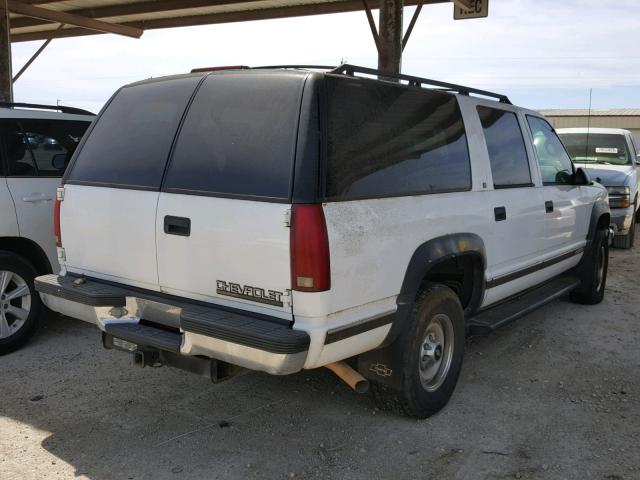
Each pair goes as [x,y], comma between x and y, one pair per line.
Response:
[619,197]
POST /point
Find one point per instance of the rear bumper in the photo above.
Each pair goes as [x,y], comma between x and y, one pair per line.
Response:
[167,323]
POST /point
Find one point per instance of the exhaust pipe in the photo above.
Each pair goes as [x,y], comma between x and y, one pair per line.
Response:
[349,376]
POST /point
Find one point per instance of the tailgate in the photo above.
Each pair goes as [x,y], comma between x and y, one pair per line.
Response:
[236,252]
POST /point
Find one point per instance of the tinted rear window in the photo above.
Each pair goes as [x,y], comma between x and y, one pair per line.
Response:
[392,140]
[238,138]
[130,143]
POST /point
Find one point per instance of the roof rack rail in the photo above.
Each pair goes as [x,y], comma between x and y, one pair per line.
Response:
[348,69]
[60,108]
[305,67]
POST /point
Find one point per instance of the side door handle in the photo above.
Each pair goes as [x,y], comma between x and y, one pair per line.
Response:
[180,226]
[500,214]
[548,206]
[37,197]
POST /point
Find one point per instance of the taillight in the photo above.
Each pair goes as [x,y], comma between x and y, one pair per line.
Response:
[310,270]
[56,216]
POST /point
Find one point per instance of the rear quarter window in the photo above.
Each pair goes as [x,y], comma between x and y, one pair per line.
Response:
[129,145]
[392,140]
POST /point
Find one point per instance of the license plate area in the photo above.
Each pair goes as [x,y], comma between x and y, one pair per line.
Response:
[111,342]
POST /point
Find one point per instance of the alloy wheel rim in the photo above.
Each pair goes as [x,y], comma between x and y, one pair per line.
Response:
[15,303]
[436,352]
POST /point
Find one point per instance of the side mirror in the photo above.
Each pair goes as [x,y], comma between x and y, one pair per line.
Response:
[59,161]
[582,177]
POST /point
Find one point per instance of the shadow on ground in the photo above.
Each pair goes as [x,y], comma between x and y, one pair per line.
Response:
[555,395]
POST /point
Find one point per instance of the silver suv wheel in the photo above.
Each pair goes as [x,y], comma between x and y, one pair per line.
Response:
[15,303]
[436,352]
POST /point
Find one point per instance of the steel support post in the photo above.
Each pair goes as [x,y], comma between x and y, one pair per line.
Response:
[390,36]
[6,90]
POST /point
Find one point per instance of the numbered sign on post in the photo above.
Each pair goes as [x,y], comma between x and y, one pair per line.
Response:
[478,9]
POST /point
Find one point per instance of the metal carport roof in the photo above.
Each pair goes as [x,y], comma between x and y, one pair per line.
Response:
[27,20]
[41,19]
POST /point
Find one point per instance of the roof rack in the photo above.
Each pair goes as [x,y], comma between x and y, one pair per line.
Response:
[304,67]
[348,69]
[60,108]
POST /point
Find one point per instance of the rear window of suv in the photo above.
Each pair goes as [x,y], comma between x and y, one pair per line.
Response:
[392,140]
[238,139]
[130,143]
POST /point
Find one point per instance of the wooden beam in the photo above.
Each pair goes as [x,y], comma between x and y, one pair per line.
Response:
[136,8]
[390,32]
[34,56]
[372,25]
[412,24]
[6,86]
[217,18]
[71,19]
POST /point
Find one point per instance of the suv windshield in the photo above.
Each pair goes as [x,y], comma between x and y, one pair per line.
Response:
[603,148]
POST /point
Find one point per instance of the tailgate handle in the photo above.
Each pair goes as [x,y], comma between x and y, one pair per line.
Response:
[177,226]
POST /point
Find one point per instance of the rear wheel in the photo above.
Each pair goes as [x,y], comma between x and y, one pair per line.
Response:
[433,351]
[594,278]
[20,305]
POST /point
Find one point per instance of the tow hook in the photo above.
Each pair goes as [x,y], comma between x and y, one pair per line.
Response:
[147,358]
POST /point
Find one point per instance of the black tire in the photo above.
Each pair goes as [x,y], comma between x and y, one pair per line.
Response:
[594,276]
[419,397]
[10,262]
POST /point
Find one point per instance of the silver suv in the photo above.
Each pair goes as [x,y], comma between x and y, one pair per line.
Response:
[36,144]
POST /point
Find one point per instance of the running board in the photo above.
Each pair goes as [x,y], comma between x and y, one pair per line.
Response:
[506,312]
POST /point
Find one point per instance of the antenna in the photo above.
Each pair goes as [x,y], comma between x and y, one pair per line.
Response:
[586,148]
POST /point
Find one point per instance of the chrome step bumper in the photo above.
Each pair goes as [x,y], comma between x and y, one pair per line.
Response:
[250,341]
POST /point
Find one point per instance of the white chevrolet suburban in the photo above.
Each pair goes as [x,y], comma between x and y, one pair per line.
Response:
[36,144]
[280,219]
[611,158]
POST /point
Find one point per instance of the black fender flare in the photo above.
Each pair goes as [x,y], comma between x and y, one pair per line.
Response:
[387,357]
[599,210]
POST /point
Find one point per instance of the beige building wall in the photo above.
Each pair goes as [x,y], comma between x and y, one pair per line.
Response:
[629,119]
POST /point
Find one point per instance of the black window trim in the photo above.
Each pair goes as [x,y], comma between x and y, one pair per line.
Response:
[573,167]
[524,144]
[324,148]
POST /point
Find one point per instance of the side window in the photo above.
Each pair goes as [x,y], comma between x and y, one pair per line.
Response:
[555,164]
[505,145]
[52,142]
[391,140]
[39,148]
[19,161]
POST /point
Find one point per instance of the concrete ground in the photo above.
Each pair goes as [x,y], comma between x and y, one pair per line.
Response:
[555,395]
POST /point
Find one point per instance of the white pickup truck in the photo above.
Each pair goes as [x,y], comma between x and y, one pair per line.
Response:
[611,158]
[284,219]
